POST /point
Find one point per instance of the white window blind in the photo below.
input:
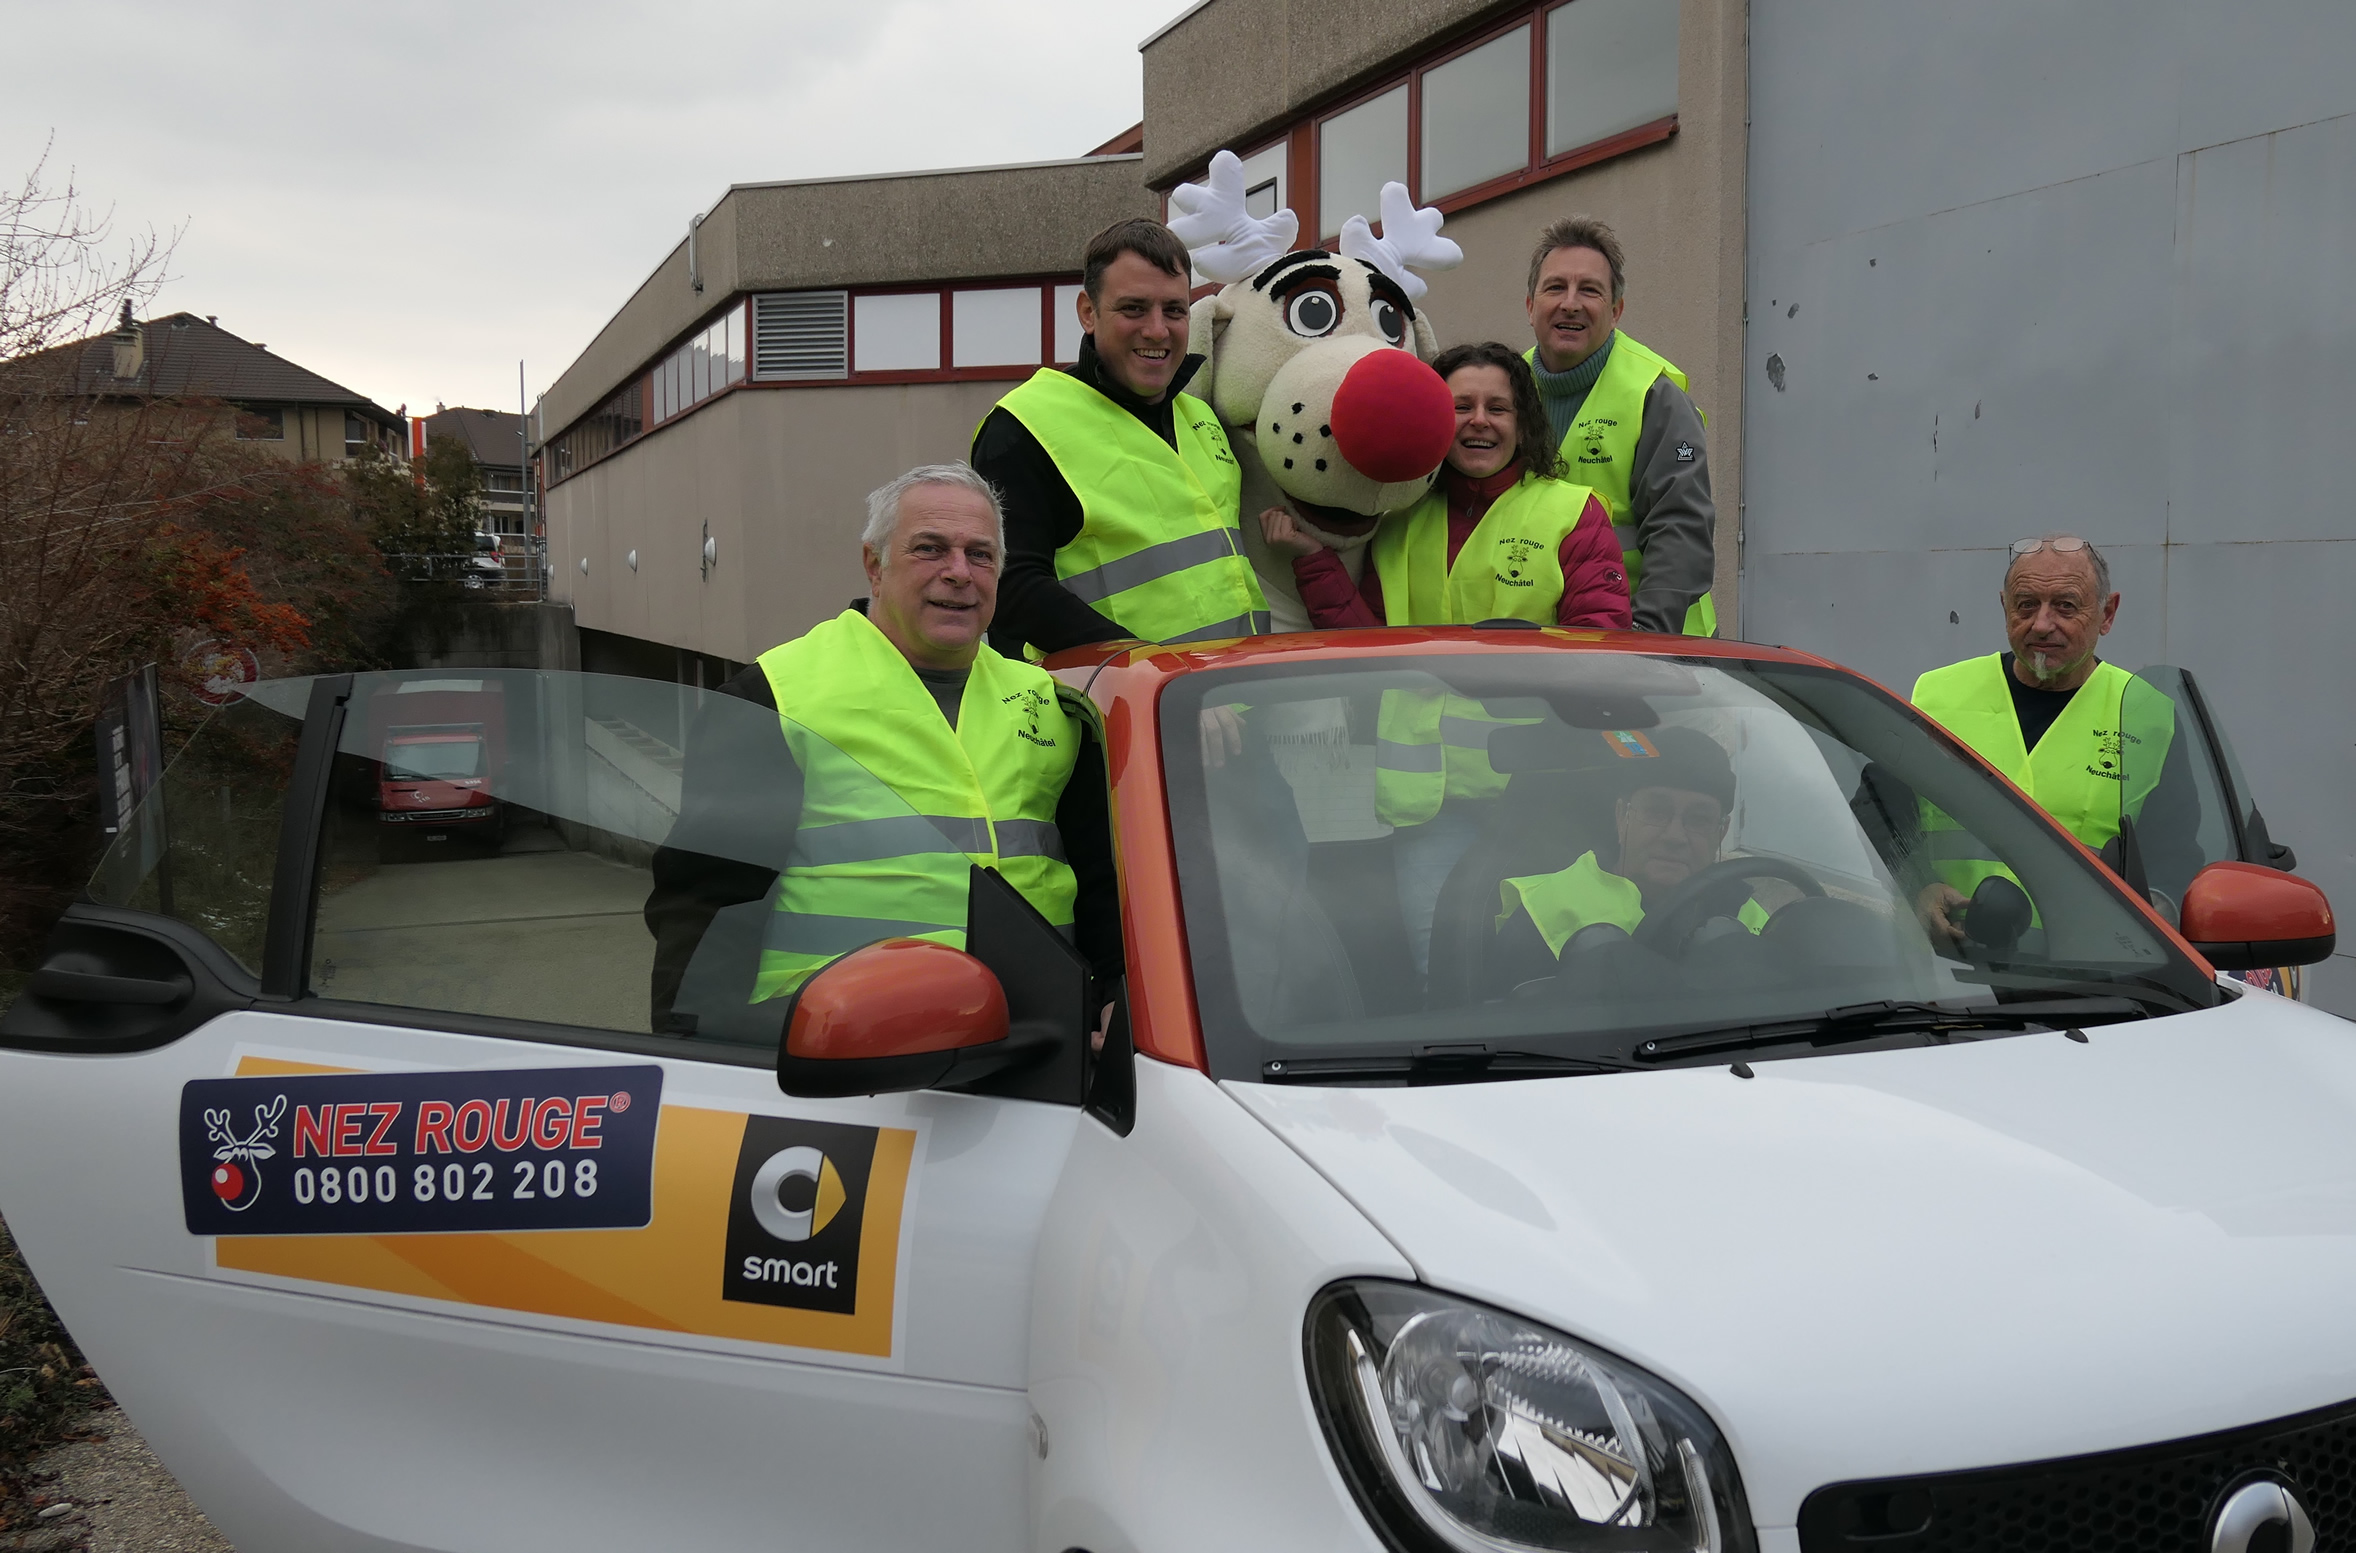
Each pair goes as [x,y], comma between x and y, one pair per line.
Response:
[899,332]
[801,334]
[996,328]
[1610,66]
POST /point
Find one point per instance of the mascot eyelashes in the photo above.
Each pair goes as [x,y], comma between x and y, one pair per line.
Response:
[1317,364]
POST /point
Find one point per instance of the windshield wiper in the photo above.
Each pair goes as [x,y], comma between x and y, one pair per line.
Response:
[1866,1021]
[2149,993]
[1434,1065]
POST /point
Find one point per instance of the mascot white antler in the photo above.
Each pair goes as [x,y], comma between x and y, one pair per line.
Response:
[1318,366]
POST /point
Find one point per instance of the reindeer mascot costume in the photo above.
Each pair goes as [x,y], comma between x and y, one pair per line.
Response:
[1317,365]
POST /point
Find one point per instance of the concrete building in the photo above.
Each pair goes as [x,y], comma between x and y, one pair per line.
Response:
[284,408]
[1940,277]
[495,439]
[708,455]
[2014,268]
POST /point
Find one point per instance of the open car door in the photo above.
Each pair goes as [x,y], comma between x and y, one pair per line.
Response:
[420,1183]
[2204,811]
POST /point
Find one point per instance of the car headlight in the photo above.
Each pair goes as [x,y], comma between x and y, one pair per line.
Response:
[1463,1428]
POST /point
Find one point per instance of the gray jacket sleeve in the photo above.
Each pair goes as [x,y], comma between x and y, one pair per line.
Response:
[1669,501]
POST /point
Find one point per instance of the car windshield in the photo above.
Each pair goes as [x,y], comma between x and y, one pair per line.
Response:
[1404,863]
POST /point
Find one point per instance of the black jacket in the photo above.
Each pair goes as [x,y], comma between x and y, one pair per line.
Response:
[735,831]
[1043,515]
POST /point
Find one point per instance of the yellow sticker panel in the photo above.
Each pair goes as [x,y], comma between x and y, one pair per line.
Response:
[727,1254]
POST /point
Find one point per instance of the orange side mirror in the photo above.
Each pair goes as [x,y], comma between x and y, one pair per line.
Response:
[2243,917]
[904,1013]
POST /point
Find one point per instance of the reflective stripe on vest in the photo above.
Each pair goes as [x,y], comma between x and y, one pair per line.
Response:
[1580,896]
[2102,756]
[897,807]
[1158,549]
[1599,450]
[1509,567]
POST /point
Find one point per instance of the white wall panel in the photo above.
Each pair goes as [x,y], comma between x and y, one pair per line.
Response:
[2066,267]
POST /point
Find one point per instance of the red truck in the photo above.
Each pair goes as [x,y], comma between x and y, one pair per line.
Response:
[443,745]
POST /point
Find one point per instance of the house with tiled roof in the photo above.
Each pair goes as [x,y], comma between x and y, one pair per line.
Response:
[291,409]
[495,438]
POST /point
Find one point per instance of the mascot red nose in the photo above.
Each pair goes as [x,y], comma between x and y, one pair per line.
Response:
[1393,418]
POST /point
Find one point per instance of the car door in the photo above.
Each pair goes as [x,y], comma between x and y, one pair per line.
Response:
[341,1137]
[2204,811]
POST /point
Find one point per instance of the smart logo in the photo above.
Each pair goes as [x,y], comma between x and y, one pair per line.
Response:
[798,1209]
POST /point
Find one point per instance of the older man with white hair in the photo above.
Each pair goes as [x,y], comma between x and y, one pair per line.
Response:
[904,751]
[2087,740]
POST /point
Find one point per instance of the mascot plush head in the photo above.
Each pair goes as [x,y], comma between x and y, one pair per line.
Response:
[1316,361]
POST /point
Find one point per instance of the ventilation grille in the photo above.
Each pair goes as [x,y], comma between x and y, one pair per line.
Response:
[2152,1499]
[801,334]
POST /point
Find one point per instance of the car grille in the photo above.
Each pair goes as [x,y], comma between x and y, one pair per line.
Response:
[439,816]
[2151,1499]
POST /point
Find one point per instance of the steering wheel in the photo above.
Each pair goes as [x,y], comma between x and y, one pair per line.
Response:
[1664,931]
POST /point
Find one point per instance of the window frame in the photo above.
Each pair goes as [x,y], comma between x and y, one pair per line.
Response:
[564,463]
[1306,130]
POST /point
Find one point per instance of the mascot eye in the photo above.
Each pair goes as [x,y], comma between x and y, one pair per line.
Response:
[1312,313]
[1390,321]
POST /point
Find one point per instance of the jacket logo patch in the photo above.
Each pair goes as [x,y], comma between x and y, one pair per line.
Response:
[1027,704]
[1515,561]
[2109,749]
[1685,452]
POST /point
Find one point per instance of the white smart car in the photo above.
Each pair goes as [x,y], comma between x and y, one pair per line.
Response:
[470,1203]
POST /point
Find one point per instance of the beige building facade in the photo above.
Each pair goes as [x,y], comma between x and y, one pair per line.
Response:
[705,460]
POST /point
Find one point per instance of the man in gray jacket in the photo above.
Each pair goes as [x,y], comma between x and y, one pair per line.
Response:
[1628,430]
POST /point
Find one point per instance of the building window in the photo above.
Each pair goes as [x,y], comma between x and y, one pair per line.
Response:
[1358,151]
[1611,66]
[1066,307]
[261,425]
[355,434]
[1476,114]
[711,360]
[499,480]
[897,333]
[995,328]
[1542,92]
[1001,330]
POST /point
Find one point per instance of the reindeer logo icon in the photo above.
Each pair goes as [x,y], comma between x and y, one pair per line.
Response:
[237,1180]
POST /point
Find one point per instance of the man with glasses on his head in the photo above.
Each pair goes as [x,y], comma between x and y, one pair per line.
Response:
[2086,739]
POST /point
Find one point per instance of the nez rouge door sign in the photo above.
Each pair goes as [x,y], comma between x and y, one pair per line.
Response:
[415,1153]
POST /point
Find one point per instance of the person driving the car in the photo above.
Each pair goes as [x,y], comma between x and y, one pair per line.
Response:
[1676,800]
[898,751]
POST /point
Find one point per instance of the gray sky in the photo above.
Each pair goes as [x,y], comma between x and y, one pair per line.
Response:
[409,198]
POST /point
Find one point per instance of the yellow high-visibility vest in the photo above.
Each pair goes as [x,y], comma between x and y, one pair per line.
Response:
[897,806]
[1599,450]
[2100,759]
[1431,747]
[1158,550]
